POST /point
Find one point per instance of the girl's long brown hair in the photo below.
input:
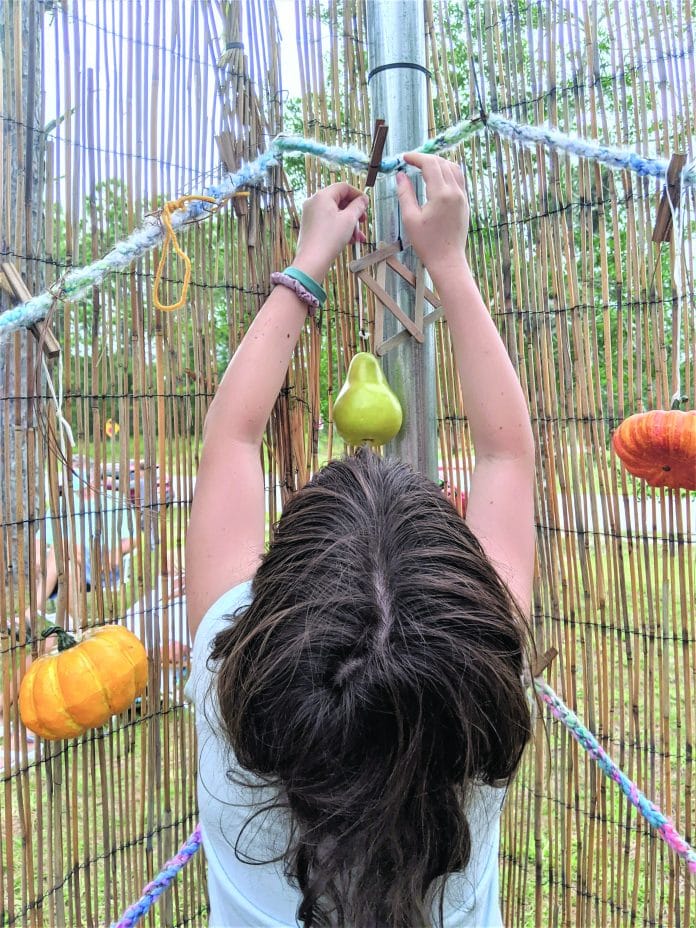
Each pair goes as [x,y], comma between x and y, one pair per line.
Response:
[374,679]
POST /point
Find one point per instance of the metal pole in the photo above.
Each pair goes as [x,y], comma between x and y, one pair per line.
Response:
[396,35]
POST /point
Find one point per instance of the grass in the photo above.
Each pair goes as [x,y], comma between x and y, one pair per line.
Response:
[95,856]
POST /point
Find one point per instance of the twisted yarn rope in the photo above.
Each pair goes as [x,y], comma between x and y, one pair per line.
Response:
[650,812]
[616,158]
[562,713]
[170,239]
[79,282]
[167,875]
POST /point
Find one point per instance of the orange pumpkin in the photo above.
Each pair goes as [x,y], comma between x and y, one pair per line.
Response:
[659,446]
[81,684]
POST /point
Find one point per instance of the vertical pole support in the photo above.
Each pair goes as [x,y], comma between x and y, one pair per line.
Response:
[398,94]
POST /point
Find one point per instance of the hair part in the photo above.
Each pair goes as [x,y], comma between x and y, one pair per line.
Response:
[374,679]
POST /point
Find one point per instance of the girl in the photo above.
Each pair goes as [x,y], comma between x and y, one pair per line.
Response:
[358,691]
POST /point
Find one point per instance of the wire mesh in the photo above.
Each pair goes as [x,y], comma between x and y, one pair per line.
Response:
[110,109]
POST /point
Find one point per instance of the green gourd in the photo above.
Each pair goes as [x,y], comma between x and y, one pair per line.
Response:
[366,409]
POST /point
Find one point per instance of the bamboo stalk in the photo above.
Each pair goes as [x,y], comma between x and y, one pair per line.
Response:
[582,298]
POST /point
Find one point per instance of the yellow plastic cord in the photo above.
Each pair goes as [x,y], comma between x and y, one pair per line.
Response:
[170,239]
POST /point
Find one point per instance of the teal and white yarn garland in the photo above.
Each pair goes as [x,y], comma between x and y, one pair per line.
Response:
[77,283]
[618,159]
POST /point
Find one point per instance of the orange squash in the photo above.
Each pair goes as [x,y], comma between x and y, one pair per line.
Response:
[659,446]
[81,684]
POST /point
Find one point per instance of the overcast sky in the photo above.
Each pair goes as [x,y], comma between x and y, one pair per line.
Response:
[97,37]
[290,63]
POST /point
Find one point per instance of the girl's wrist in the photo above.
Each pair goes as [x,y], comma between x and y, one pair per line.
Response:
[312,265]
[454,263]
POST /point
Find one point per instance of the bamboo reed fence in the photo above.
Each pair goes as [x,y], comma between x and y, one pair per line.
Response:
[110,109]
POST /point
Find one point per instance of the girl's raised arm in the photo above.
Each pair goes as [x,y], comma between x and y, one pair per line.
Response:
[500,505]
[226,533]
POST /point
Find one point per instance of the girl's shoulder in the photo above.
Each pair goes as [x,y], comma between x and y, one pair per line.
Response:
[216,619]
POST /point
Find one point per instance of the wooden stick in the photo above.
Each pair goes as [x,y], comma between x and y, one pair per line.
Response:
[379,138]
[670,194]
[20,291]
[380,254]
[391,305]
[401,337]
[419,308]
[410,278]
[544,661]
[381,278]
[231,160]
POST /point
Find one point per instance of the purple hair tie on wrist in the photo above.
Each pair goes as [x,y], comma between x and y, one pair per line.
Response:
[286,281]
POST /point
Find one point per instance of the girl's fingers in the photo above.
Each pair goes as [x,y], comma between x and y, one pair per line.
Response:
[429,166]
[358,235]
[343,193]
[437,172]
[457,175]
[452,173]
[408,203]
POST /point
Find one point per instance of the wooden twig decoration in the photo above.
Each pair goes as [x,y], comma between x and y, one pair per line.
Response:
[378,262]
[12,282]
[379,137]
[672,191]
[229,149]
[544,661]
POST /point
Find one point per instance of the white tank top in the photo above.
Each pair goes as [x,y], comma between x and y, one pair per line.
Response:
[247,895]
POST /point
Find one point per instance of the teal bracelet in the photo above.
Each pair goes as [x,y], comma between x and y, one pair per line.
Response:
[314,288]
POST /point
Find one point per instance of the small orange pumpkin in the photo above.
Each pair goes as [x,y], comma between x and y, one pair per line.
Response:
[659,446]
[81,684]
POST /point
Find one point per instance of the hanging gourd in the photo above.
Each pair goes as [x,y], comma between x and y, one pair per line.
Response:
[82,683]
[660,447]
[366,409]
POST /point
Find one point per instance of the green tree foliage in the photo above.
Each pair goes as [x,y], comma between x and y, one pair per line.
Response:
[586,209]
[110,214]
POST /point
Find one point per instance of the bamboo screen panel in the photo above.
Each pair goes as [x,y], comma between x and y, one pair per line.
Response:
[141,103]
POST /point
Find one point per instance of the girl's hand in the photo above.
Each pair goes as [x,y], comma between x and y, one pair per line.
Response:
[437,230]
[329,222]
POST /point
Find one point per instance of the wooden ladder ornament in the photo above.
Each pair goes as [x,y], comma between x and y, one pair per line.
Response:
[383,258]
[11,281]
[378,262]
[543,662]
